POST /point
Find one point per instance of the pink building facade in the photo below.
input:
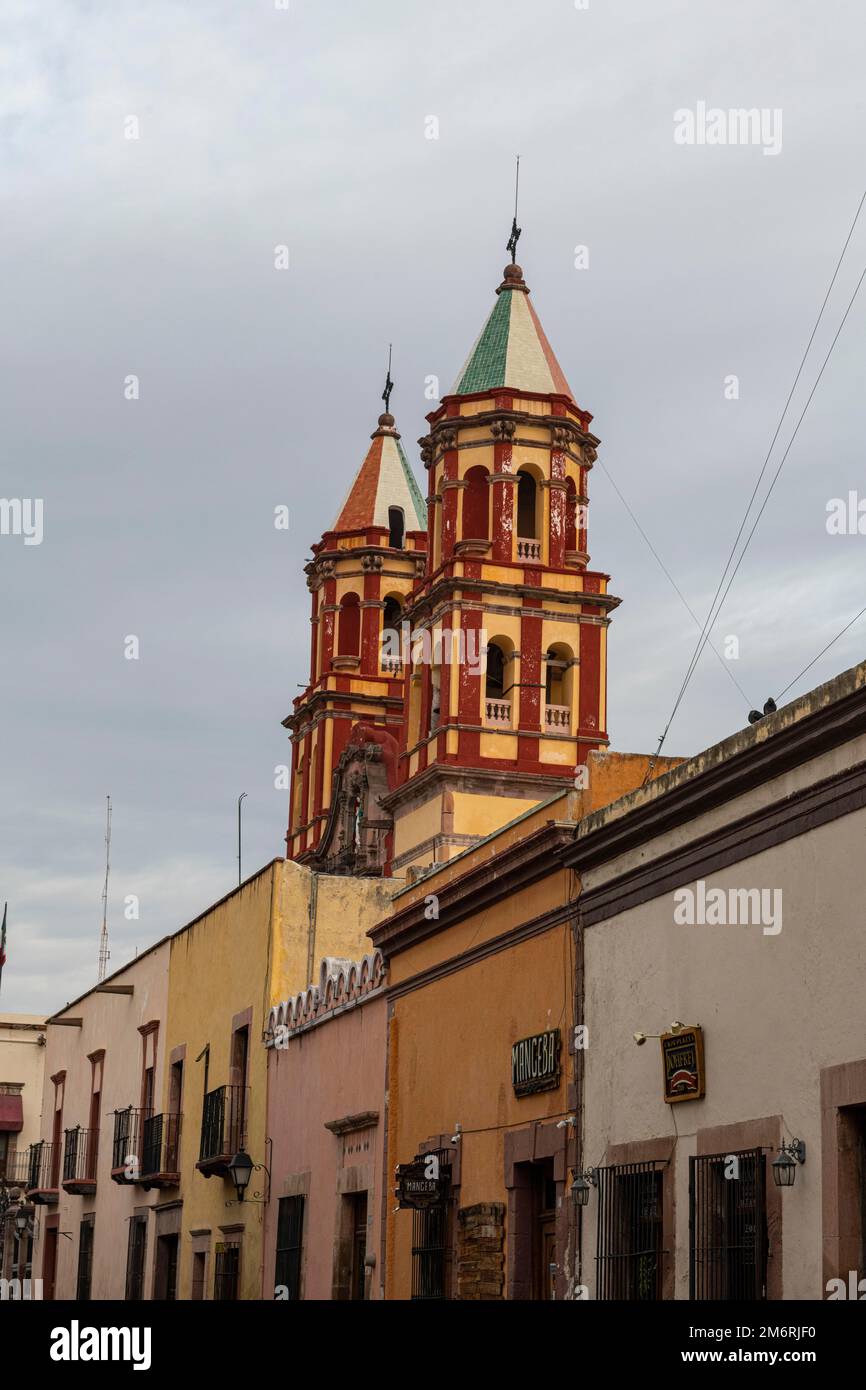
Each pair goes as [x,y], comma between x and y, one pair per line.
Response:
[326,1100]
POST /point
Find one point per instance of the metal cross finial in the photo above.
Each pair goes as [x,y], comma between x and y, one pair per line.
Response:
[389,385]
[515,230]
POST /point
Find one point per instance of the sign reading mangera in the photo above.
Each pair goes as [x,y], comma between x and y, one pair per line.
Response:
[535,1063]
[420,1184]
[683,1061]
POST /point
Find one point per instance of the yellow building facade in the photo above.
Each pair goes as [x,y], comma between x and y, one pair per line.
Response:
[259,944]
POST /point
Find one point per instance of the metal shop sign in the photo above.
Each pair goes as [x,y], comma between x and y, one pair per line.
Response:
[535,1063]
[683,1062]
[419,1184]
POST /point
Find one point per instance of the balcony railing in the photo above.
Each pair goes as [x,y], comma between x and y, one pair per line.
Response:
[160,1151]
[497,713]
[223,1124]
[126,1144]
[557,718]
[42,1181]
[17,1168]
[528,549]
[391,666]
[79,1160]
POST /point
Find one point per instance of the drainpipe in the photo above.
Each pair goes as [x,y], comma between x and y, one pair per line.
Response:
[576,1137]
[311,931]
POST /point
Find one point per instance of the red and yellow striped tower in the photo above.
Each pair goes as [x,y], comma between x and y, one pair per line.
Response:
[508,458]
[361,573]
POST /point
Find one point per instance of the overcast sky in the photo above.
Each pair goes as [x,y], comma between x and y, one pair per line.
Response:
[154,257]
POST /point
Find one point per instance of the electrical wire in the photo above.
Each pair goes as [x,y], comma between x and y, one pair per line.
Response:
[714,610]
[666,572]
[839,634]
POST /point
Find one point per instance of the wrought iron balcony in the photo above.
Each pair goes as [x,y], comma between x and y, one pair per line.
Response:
[223,1128]
[79,1161]
[160,1151]
[42,1182]
[126,1144]
[17,1169]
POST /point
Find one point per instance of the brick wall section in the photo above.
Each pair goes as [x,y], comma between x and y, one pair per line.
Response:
[480,1252]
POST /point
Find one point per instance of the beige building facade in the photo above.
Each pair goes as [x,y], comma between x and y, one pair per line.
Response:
[722,906]
[22,1058]
[103,1056]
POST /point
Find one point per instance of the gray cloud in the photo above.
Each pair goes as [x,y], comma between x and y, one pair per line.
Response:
[155,257]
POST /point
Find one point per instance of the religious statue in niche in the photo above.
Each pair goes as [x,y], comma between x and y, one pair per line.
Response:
[357,836]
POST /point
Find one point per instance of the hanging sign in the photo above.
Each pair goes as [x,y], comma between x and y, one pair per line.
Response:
[535,1063]
[419,1184]
[683,1063]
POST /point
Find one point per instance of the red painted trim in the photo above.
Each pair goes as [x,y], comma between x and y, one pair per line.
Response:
[503,507]
[558,518]
[449,505]
[590,676]
[370,621]
[530,669]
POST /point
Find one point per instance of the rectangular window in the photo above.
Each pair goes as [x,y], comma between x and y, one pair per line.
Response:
[430,1242]
[135,1251]
[358,1269]
[240,1060]
[92,1156]
[227,1272]
[147,1088]
[290,1234]
[165,1280]
[728,1226]
[85,1259]
[199,1274]
[629,1240]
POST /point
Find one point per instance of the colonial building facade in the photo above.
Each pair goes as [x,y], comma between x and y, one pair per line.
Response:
[519,1016]
[22,1065]
[720,907]
[326,1052]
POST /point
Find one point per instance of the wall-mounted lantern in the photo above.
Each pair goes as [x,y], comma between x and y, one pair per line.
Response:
[581,1186]
[784,1166]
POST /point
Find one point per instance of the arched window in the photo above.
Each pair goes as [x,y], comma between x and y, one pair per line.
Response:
[391,615]
[526,518]
[390,644]
[570,515]
[558,688]
[476,506]
[495,672]
[435,698]
[396,527]
[555,679]
[349,635]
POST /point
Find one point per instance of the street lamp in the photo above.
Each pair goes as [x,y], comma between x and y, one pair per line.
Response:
[581,1186]
[784,1167]
[241,1170]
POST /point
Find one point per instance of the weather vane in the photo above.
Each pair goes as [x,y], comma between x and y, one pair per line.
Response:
[389,385]
[515,230]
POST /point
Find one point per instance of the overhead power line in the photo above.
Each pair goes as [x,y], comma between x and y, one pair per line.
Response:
[840,633]
[716,605]
[666,572]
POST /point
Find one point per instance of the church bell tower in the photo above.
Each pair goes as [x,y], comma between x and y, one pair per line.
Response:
[505,690]
[345,727]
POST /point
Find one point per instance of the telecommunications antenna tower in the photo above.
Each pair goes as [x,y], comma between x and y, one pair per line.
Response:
[104,952]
